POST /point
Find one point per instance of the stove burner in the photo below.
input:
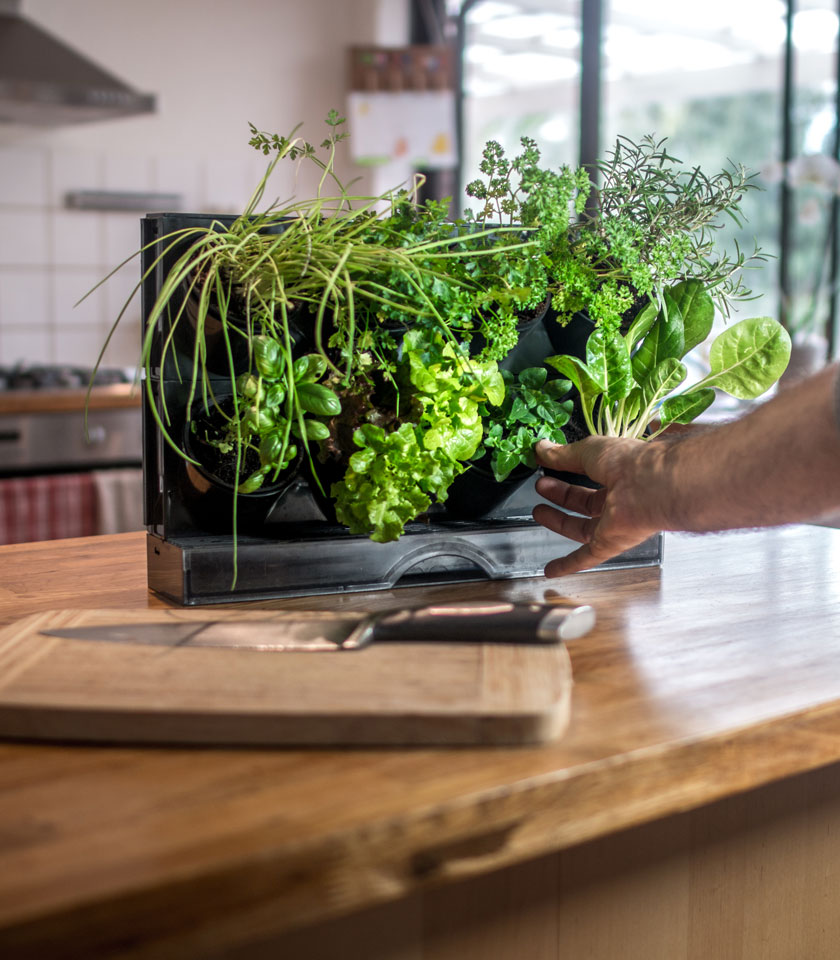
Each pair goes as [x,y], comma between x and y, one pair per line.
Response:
[58,377]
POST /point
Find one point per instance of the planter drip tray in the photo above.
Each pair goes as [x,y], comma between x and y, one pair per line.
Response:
[200,569]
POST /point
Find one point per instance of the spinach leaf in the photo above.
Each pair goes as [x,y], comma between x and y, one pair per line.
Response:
[606,352]
[621,394]
[698,312]
[686,407]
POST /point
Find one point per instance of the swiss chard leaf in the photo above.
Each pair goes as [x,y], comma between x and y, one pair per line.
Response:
[664,378]
[666,338]
[748,357]
[686,406]
[584,379]
[697,309]
[643,321]
[606,352]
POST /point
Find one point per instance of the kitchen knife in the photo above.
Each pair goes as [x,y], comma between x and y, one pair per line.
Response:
[474,622]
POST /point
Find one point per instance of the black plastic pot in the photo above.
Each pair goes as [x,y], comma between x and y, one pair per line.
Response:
[209,487]
[571,338]
[476,492]
[322,476]
[217,361]
[533,345]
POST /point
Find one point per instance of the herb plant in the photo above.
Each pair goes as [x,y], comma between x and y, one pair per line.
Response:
[653,223]
[532,410]
[627,381]
[365,334]
[520,192]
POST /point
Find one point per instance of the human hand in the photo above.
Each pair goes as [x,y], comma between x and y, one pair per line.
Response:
[610,520]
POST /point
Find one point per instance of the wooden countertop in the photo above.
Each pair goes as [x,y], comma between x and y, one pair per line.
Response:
[114,396]
[715,674]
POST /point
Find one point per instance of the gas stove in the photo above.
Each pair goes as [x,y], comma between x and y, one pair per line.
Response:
[60,377]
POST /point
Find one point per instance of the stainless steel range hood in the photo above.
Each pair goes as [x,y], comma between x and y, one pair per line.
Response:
[43,82]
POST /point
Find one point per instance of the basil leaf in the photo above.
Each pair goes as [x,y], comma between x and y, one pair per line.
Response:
[315,430]
[310,368]
[268,357]
[318,399]
[253,483]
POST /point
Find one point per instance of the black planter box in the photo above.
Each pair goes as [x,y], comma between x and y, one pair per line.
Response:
[285,544]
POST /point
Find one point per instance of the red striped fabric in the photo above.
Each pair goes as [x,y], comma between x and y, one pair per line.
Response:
[48,507]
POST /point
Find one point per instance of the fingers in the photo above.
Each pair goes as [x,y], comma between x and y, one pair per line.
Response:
[595,548]
[579,529]
[572,497]
[581,559]
[564,457]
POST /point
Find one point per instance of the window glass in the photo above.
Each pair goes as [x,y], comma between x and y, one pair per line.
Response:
[521,76]
[712,86]
[813,172]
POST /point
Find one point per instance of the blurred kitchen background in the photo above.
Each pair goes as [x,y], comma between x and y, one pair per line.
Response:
[424,83]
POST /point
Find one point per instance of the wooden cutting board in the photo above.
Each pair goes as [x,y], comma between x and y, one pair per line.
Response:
[54,688]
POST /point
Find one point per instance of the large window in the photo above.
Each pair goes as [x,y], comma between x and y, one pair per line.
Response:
[751,82]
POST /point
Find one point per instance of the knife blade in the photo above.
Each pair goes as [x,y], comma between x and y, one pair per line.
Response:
[472,622]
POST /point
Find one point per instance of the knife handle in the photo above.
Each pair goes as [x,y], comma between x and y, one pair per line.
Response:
[489,622]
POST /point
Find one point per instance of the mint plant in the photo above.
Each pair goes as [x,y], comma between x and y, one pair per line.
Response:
[532,410]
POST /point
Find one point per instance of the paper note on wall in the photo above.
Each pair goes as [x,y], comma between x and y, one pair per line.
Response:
[414,125]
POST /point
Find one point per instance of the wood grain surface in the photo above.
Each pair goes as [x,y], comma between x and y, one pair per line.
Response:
[709,677]
[54,688]
[110,397]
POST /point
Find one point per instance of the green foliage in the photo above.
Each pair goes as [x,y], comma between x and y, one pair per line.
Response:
[520,192]
[274,405]
[391,479]
[389,379]
[654,224]
[398,474]
[627,381]
[532,410]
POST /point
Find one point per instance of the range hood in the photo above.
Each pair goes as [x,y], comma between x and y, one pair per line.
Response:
[45,83]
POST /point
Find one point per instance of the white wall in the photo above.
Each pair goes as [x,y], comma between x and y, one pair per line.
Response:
[214,67]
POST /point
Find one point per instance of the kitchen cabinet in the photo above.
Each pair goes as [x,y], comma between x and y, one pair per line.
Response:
[692,809]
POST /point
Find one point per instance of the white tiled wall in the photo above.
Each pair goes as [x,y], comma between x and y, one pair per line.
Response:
[212,74]
[51,256]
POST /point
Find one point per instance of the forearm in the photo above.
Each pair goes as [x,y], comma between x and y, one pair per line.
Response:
[779,464]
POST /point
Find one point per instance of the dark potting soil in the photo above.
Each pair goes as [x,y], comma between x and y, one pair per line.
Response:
[210,426]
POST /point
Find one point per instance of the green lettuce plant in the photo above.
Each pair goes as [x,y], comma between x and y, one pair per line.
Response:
[397,475]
